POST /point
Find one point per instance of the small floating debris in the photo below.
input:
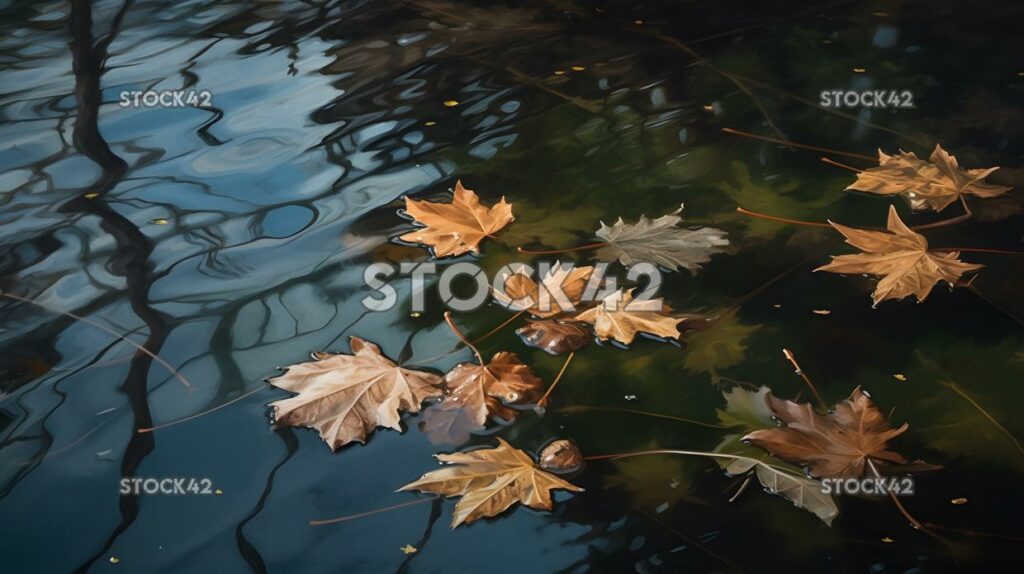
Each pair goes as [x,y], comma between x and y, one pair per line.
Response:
[958,501]
[415,314]
[451,103]
[859,70]
[408,549]
[900,377]
[559,72]
[578,68]
[158,221]
[822,312]
[630,397]
[887,540]
[430,123]
[114,559]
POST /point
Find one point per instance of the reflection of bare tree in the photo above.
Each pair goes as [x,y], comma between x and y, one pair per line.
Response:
[134,247]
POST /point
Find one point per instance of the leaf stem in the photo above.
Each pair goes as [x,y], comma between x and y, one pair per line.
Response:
[566,250]
[842,165]
[475,341]
[978,250]
[792,359]
[371,512]
[799,145]
[746,211]
[465,341]
[105,329]
[903,510]
[558,377]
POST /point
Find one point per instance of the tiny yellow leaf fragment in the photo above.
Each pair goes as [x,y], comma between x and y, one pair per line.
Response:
[777,306]
[415,314]
[559,72]
[158,221]
[958,501]
[887,540]
[430,123]
[822,312]
[900,377]
[92,195]
[451,103]
[709,108]
[218,491]
[408,549]
[578,68]
[114,559]
[859,70]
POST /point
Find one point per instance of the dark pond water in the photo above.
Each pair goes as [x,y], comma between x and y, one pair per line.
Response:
[232,240]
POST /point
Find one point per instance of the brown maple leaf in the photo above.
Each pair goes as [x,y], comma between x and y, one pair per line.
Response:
[457,227]
[837,445]
[345,397]
[555,337]
[620,317]
[932,184]
[490,481]
[900,257]
[560,290]
[476,392]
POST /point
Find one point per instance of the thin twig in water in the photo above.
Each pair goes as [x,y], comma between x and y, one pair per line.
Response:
[588,408]
[792,359]
[795,144]
[956,389]
[371,512]
[543,400]
[105,329]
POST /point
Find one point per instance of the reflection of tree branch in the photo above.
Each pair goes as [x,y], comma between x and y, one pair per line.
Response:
[131,259]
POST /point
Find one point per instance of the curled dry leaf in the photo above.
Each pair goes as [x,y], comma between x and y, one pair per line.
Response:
[345,397]
[555,337]
[901,257]
[932,184]
[490,481]
[837,445]
[661,242]
[476,392]
[561,456]
[457,227]
[620,317]
[559,291]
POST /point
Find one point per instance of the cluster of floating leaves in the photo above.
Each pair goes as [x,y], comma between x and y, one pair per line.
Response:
[347,396]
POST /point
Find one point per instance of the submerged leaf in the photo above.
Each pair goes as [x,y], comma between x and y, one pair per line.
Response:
[457,227]
[901,257]
[837,445]
[748,411]
[476,392]
[720,346]
[660,241]
[490,481]
[345,397]
[932,184]
[555,337]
